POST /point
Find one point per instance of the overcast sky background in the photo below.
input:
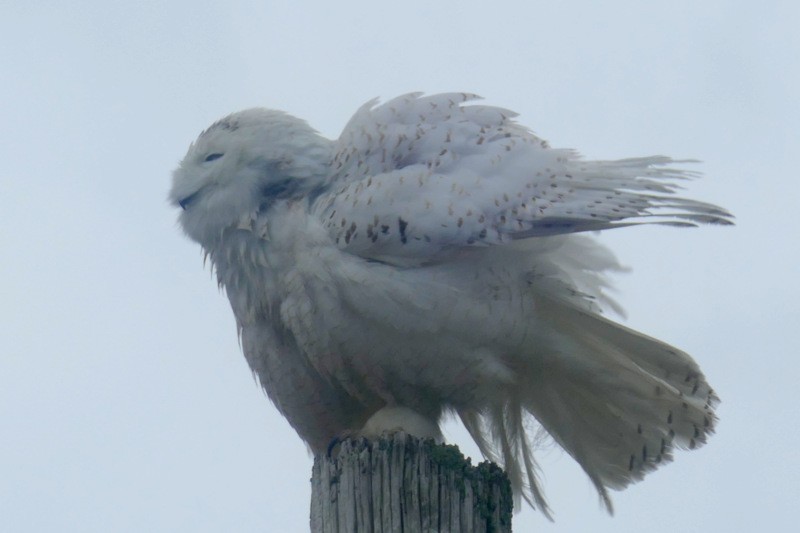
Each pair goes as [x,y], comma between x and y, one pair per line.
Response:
[125,403]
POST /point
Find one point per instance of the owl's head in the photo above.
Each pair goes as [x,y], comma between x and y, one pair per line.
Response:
[241,164]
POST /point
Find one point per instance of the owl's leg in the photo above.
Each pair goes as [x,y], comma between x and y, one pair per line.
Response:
[395,418]
[388,420]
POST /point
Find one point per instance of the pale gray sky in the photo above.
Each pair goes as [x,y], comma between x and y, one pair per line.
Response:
[125,403]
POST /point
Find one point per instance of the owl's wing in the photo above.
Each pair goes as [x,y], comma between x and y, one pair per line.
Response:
[417,177]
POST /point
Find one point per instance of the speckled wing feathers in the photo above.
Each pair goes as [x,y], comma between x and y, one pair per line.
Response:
[418,176]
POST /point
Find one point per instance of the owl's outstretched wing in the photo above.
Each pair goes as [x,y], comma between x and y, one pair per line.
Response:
[417,177]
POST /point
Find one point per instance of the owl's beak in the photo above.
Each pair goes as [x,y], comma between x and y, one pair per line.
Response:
[186,202]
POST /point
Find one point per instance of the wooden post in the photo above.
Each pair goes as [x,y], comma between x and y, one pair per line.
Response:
[403,484]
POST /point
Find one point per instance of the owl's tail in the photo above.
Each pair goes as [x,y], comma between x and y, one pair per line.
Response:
[617,401]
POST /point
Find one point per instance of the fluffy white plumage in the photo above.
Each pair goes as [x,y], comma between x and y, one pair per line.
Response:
[429,261]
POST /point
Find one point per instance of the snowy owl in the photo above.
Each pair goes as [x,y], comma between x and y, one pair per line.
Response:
[434,260]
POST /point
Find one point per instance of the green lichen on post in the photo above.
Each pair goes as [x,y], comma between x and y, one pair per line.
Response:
[486,475]
[492,476]
[447,455]
[449,458]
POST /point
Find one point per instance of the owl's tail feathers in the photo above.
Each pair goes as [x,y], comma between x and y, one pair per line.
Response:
[499,432]
[617,401]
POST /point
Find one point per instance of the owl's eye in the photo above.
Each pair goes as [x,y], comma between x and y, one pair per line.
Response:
[212,157]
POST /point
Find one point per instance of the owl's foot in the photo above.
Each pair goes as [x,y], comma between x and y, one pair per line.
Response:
[389,420]
[392,419]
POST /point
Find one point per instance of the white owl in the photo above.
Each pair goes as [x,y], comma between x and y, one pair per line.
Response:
[430,261]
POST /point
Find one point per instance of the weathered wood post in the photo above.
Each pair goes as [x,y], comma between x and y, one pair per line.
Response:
[403,484]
